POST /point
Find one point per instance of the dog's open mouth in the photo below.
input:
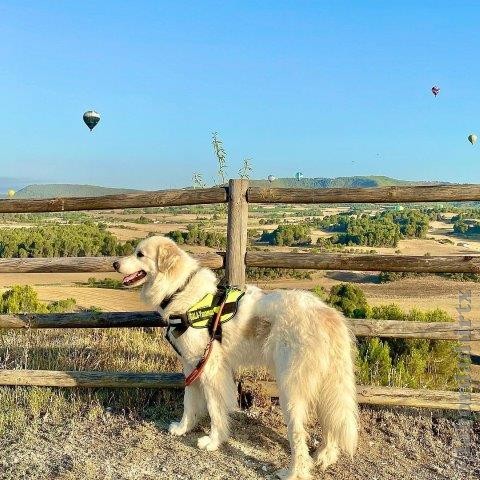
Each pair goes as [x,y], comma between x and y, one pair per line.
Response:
[133,278]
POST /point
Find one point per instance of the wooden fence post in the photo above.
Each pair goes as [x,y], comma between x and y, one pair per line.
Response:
[236,232]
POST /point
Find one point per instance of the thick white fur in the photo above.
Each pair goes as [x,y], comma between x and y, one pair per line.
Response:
[305,343]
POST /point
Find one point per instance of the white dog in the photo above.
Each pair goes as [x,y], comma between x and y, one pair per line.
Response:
[305,343]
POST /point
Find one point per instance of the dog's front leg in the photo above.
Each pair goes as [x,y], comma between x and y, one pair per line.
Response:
[221,396]
[194,408]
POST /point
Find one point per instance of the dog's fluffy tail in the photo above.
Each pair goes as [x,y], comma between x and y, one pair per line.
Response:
[336,402]
[313,351]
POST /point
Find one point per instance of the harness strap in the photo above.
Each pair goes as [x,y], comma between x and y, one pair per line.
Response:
[197,371]
[182,319]
[177,331]
[180,289]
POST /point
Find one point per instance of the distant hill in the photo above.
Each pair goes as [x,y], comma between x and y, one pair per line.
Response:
[68,190]
[73,190]
[339,182]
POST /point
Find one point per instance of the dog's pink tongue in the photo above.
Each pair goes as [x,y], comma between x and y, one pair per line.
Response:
[130,277]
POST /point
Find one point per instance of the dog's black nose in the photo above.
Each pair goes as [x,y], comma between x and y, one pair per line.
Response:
[116,265]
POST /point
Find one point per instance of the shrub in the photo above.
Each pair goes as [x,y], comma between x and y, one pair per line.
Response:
[24,299]
[349,299]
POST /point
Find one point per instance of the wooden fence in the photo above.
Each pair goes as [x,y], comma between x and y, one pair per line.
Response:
[238,195]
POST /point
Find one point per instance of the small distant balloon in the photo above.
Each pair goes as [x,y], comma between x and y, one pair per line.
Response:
[91,118]
[11,193]
[472,138]
[271,178]
[435,90]
[299,175]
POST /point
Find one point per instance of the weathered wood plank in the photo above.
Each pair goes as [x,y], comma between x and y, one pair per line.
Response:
[404,194]
[160,198]
[403,397]
[83,264]
[81,320]
[47,378]
[406,329]
[236,233]
[366,394]
[407,397]
[345,261]
[361,327]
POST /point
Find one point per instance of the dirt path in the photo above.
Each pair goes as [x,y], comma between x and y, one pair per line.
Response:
[402,444]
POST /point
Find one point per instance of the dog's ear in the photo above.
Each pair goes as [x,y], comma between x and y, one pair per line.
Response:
[168,256]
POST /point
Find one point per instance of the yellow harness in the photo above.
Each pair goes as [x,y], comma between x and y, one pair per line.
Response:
[211,312]
[201,314]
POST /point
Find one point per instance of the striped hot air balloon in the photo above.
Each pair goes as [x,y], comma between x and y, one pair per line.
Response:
[91,118]
[435,90]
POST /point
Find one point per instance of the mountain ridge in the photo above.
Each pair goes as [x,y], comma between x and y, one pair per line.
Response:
[52,190]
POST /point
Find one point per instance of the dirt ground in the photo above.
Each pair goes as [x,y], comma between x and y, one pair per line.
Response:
[394,444]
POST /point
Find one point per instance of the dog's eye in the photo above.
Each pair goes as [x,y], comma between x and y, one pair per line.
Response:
[140,254]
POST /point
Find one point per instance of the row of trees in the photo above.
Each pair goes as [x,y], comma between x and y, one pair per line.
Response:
[198,235]
[385,277]
[288,235]
[464,227]
[384,229]
[82,240]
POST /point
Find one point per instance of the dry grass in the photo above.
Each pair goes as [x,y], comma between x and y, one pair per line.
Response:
[137,350]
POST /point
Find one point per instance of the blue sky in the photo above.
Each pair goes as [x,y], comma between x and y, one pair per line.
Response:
[328,88]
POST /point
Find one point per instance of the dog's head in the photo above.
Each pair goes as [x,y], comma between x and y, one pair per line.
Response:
[153,256]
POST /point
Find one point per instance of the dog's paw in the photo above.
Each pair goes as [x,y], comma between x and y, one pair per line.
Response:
[287,474]
[176,428]
[326,456]
[207,443]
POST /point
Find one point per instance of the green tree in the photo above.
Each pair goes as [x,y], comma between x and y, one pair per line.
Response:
[349,299]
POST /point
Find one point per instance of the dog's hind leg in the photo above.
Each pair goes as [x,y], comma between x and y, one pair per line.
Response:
[194,408]
[294,404]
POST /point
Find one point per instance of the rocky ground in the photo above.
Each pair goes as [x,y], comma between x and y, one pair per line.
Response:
[394,444]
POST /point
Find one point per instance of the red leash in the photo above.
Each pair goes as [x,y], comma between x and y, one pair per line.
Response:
[197,371]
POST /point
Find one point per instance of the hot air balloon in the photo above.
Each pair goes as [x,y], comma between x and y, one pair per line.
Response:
[435,90]
[91,118]
[11,193]
[271,178]
[472,138]
[299,175]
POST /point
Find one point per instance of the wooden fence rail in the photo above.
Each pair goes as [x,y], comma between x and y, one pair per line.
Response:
[309,261]
[160,198]
[407,194]
[235,260]
[366,394]
[360,327]
[345,261]
[85,264]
